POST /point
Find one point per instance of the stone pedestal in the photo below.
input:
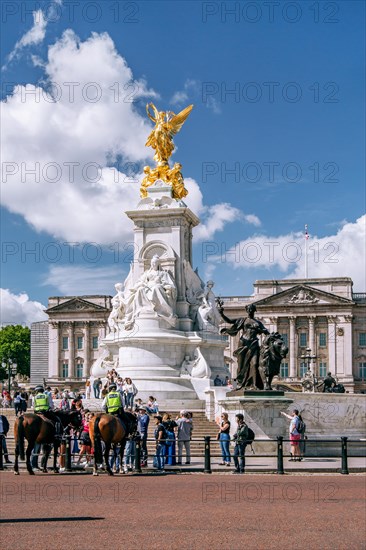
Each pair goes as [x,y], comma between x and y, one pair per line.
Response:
[153,348]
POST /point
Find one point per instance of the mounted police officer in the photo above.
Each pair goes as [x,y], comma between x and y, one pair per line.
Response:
[43,404]
[112,403]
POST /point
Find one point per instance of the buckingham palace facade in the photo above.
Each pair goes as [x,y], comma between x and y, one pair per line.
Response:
[324,315]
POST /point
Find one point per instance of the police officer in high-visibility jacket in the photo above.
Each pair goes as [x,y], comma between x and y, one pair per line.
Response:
[112,403]
[42,404]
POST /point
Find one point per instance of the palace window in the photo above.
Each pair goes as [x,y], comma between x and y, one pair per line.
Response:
[65,342]
[284,370]
[79,370]
[303,340]
[362,367]
[322,369]
[65,370]
[80,342]
[95,342]
[362,338]
[285,339]
[303,369]
[322,339]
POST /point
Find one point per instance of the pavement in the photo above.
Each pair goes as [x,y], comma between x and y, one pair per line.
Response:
[183,512]
[256,464]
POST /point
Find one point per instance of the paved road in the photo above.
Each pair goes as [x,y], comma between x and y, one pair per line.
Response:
[183,512]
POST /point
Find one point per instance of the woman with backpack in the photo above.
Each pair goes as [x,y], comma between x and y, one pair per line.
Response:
[294,434]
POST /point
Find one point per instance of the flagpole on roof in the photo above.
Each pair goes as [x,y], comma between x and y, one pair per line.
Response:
[306,251]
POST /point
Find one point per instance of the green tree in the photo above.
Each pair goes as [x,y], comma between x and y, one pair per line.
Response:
[15,346]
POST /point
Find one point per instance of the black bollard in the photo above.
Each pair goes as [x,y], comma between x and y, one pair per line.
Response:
[207,469]
[344,469]
[280,469]
[1,452]
[68,453]
[138,456]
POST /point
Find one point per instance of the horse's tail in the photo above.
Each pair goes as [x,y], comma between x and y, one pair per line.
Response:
[98,453]
[21,436]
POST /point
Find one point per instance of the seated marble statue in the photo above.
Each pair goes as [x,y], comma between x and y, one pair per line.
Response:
[154,291]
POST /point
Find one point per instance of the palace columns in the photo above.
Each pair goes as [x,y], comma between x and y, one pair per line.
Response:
[86,365]
[54,347]
[293,373]
[72,373]
[312,344]
[332,356]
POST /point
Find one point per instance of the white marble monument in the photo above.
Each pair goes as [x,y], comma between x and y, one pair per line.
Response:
[163,315]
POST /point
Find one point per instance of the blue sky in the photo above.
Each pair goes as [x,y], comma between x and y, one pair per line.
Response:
[291,133]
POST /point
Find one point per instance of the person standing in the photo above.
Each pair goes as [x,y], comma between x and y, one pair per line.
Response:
[130,391]
[160,437]
[169,425]
[294,434]
[224,438]
[4,428]
[87,389]
[240,438]
[97,384]
[17,403]
[143,426]
[184,434]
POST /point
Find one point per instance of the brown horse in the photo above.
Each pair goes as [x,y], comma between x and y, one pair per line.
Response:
[39,429]
[112,431]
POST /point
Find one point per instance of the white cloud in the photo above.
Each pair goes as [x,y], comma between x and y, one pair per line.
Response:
[48,130]
[214,219]
[191,88]
[35,35]
[213,105]
[338,255]
[76,280]
[19,309]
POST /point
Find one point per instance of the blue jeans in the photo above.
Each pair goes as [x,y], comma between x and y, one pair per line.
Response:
[130,454]
[160,456]
[225,445]
[115,458]
[129,399]
[239,451]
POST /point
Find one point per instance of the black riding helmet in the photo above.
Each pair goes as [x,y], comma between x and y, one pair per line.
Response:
[113,386]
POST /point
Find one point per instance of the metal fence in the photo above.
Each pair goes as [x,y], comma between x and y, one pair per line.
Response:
[340,446]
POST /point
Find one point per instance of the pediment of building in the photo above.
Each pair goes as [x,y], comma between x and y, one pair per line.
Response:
[303,295]
[76,304]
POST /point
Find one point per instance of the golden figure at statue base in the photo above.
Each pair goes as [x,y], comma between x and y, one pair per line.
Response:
[172,176]
[167,124]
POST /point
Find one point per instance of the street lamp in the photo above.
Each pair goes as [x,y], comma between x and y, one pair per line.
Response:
[11,367]
[308,358]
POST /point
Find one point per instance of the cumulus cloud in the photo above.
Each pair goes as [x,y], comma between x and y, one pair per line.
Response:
[190,88]
[81,280]
[73,148]
[19,309]
[35,35]
[214,219]
[338,255]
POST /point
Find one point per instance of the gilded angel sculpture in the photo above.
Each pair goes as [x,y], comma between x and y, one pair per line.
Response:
[167,124]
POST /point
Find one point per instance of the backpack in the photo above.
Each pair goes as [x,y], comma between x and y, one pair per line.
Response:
[251,436]
[301,426]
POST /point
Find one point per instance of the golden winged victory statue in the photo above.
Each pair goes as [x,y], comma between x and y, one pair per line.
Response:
[167,124]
